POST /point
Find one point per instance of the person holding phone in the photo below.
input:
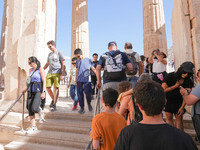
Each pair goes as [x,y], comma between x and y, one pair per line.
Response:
[159,61]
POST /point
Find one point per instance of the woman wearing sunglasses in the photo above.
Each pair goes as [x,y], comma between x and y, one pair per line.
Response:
[36,91]
[171,85]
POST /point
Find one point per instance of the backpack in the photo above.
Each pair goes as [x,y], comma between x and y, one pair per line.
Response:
[134,63]
[137,115]
[114,68]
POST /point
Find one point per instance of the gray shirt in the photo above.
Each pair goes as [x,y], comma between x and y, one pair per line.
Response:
[196,91]
[196,106]
[54,59]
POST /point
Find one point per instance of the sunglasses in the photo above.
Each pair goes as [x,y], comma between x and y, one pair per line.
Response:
[29,63]
[73,63]
[49,46]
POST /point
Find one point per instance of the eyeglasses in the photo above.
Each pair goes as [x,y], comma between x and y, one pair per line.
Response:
[29,63]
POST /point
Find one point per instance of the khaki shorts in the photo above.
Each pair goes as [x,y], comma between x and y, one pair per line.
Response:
[113,85]
[53,79]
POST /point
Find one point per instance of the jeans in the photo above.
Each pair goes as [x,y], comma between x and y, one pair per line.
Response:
[73,94]
[87,88]
[133,80]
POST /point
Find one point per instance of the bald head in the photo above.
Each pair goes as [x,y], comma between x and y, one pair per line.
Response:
[128,45]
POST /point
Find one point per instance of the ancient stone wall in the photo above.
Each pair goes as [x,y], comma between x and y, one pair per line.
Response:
[80,32]
[185,25]
[27,26]
[154,26]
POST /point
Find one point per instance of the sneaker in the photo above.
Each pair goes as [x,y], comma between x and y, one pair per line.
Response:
[90,108]
[51,104]
[31,129]
[81,111]
[74,108]
[41,118]
[53,108]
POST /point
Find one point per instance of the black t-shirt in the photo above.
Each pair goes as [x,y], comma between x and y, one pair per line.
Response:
[175,95]
[153,137]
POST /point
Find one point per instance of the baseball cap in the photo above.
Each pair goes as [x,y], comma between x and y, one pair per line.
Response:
[112,44]
[188,67]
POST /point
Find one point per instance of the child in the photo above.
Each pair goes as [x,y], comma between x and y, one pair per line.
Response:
[73,89]
[107,125]
[125,99]
[82,79]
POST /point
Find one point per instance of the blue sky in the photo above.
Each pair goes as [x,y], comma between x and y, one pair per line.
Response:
[109,20]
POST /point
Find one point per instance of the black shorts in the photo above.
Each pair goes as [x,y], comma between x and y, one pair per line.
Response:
[172,107]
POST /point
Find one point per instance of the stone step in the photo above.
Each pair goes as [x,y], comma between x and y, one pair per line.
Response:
[72,126]
[191,132]
[31,146]
[55,138]
[69,116]
[188,124]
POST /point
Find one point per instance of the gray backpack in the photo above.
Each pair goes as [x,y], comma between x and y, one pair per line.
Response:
[134,63]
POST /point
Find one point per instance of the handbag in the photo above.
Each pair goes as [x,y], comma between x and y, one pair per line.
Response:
[28,81]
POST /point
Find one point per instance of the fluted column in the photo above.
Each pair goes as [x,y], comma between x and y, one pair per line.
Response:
[154,26]
[80,33]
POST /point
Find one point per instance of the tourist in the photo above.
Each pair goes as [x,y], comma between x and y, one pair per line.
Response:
[107,125]
[194,99]
[148,66]
[134,57]
[36,91]
[56,63]
[159,61]
[82,79]
[143,61]
[72,85]
[198,75]
[125,106]
[93,75]
[152,133]
[171,85]
[114,63]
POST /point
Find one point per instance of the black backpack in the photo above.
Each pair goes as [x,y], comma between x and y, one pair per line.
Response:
[134,63]
[137,115]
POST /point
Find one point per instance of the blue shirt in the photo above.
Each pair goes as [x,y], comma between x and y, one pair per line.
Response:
[36,77]
[83,66]
[125,61]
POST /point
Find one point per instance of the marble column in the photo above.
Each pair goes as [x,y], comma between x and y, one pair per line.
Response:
[80,32]
[154,26]
[24,35]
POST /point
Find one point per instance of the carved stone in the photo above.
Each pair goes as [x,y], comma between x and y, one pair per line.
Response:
[186,32]
[27,26]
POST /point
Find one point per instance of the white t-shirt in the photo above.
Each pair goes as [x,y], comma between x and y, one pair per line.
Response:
[72,73]
[138,59]
[159,66]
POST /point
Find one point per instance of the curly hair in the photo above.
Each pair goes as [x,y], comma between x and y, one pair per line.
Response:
[124,86]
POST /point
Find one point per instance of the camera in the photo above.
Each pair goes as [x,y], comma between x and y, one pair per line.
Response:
[156,50]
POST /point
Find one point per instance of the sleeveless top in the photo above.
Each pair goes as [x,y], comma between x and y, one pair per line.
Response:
[36,80]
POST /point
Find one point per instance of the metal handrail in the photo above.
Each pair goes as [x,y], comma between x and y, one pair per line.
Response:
[96,111]
[8,110]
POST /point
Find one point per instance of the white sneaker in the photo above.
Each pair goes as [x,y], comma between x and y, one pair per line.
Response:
[41,118]
[31,129]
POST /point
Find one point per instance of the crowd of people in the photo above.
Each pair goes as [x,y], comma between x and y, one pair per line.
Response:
[134,95]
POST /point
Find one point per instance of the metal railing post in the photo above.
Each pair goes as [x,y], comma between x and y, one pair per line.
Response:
[23,113]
